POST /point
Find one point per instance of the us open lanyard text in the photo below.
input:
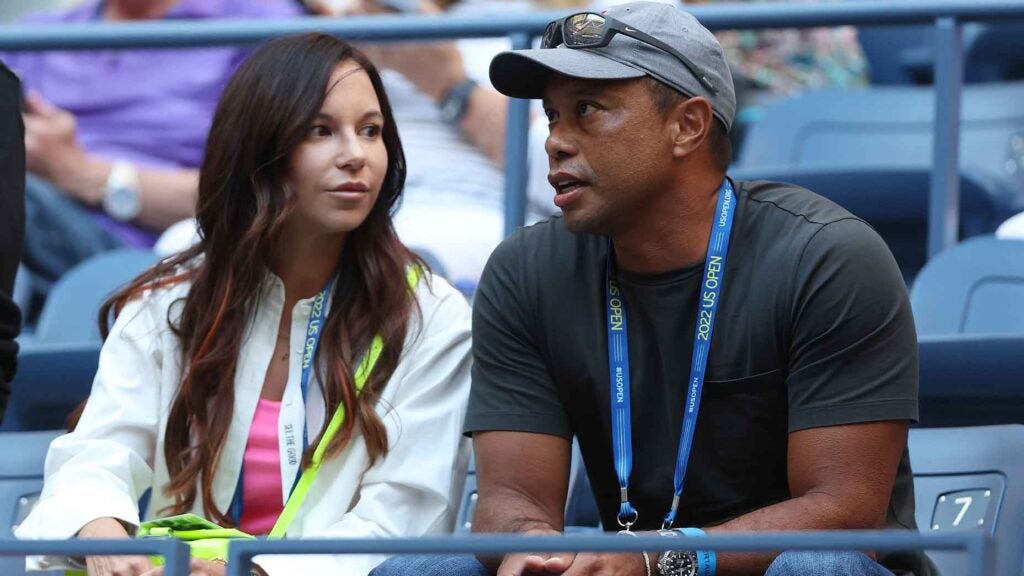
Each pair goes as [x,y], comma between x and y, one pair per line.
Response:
[618,360]
[309,347]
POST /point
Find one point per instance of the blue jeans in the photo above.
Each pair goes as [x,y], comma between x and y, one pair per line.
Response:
[786,564]
[434,565]
[825,564]
[59,233]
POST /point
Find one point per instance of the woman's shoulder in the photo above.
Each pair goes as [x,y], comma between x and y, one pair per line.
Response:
[435,294]
[441,306]
[155,300]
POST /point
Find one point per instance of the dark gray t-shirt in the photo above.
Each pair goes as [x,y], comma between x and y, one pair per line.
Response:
[814,329]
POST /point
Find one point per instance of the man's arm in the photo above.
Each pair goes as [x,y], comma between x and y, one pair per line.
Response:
[522,479]
[52,152]
[841,478]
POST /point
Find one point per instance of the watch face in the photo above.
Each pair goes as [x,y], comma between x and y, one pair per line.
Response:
[678,564]
[123,203]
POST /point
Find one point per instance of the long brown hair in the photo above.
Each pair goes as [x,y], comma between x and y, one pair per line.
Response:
[264,114]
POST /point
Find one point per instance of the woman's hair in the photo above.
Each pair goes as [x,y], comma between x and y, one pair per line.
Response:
[264,114]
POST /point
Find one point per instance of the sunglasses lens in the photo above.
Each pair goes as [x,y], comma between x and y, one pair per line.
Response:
[552,37]
[582,30]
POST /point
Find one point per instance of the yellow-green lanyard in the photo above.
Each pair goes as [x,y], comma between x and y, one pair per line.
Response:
[291,508]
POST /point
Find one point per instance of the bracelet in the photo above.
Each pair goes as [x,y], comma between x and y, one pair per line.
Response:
[707,562]
[647,558]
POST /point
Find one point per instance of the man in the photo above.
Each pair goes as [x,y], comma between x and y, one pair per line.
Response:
[598,324]
[114,137]
[12,224]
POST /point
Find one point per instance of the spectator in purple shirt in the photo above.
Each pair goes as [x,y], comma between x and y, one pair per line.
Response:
[114,137]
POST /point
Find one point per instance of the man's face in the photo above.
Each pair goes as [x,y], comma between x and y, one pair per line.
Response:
[609,151]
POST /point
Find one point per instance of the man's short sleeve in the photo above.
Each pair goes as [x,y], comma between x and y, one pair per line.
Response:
[853,356]
[512,389]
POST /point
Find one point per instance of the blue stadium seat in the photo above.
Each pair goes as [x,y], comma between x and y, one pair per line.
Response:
[975,287]
[895,202]
[993,52]
[971,479]
[891,127]
[72,308]
[898,54]
[970,380]
[51,381]
[22,455]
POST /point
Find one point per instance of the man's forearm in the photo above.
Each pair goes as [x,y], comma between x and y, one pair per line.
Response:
[167,195]
[485,121]
[813,511]
[511,514]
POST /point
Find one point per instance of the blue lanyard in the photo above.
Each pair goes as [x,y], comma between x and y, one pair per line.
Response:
[618,361]
[310,346]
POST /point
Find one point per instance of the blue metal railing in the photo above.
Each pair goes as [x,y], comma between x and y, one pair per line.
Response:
[174,552]
[976,544]
[946,15]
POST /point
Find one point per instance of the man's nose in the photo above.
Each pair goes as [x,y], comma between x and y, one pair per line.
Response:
[559,144]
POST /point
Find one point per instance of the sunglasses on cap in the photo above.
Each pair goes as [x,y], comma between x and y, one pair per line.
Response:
[592,30]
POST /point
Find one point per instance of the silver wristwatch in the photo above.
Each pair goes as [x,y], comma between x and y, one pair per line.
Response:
[121,199]
[676,562]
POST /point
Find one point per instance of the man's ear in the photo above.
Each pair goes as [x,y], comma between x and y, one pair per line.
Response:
[691,122]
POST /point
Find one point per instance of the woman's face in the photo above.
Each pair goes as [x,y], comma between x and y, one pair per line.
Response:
[336,173]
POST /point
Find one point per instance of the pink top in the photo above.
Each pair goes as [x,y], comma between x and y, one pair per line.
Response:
[261,469]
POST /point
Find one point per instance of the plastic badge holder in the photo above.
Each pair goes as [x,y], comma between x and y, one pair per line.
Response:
[206,540]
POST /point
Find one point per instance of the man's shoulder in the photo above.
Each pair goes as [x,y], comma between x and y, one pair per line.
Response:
[547,243]
[785,201]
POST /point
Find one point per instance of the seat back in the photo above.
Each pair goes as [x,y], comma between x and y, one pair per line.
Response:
[995,53]
[71,310]
[22,456]
[970,380]
[971,479]
[890,126]
[50,382]
[975,287]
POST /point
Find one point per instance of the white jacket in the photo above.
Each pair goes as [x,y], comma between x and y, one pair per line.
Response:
[117,450]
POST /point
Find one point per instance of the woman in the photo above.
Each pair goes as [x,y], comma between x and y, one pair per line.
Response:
[200,391]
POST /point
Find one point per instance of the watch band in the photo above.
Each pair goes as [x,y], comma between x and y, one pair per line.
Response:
[456,102]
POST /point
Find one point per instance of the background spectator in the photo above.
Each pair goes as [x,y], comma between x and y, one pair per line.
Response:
[12,223]
[113,137]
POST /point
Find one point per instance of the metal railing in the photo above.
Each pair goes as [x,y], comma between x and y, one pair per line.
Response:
[947,16]
[174,552]
[977,546]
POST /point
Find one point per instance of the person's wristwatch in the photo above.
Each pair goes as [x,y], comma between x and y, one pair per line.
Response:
[456,101]
[676,562]
[121,199]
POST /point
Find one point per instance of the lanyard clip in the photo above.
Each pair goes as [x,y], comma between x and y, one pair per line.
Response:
[670,518]
[627,514]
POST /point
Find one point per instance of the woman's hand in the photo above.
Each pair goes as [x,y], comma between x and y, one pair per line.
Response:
[202,568]
[111,529]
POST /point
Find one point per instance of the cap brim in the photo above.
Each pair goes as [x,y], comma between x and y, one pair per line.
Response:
[525,73]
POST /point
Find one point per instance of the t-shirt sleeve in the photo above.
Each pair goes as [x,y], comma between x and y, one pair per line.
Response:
[512,388]
[853,355]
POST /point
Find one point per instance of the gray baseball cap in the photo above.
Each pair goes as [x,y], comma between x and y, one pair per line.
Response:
[525,73]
